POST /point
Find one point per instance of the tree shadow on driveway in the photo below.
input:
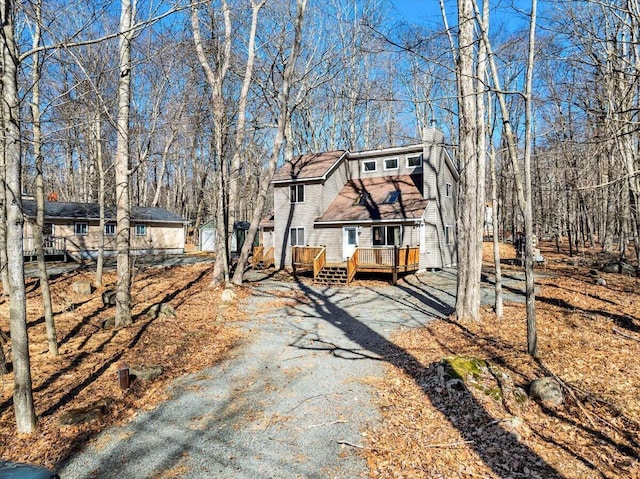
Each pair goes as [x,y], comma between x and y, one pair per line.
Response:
[371,343]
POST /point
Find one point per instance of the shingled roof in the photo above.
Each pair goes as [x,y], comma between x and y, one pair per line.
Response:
[91,211]
[409,203]
[314,165]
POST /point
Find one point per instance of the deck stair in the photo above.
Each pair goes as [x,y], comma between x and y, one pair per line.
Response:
[332,275]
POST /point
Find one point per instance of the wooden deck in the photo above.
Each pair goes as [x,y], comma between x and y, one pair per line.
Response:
[53,246]
[388,260]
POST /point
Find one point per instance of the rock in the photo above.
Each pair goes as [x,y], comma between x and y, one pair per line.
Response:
[228,295]
[547,391]
[109,297]
[92,412]
[601,282]
[109,322]
[82,287]
[627,268]
[593,272]
[146,373]
[520,396]
[161,310]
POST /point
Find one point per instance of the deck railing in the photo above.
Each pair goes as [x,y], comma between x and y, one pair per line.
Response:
[263,258]
[352,266]
[319,261]
[258,254]
[304,255]
[52,245]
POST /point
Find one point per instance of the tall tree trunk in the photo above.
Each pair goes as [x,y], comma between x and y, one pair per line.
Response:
[283,103]
[469,264]
[234,178]
[215,78]
[37,150]
[123,206]
[101,197]
[4,270]
[22,389]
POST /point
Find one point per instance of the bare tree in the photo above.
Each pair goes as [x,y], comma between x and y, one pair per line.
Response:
[22,390]
[40,208]
[123,206]
[283,101]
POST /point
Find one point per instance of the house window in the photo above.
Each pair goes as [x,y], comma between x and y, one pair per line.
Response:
[297,194]
[141,229]
[448,190]
[414,161]
[297,236]
[391,197]
[369,166]
[361,199]
[448,235]
[391,164]
[386,235]
[110,229]
[81,228]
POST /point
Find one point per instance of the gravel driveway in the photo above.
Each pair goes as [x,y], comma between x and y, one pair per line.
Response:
[288,402]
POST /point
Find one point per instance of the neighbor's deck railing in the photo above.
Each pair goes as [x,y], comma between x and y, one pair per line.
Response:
[53,245]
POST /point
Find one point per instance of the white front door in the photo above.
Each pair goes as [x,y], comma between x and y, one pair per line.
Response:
[349,241]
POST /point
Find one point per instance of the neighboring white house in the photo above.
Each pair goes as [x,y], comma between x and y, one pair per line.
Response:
[403,196]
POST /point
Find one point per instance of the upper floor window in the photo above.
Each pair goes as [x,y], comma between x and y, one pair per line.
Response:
[448,235]
[369,165]
[110,229]
[141,229]
[81,228]
[448,190]
[414,161]
[297,194]
[391,164]
[296,236]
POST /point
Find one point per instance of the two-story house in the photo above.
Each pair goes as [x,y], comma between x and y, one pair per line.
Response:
[341,206]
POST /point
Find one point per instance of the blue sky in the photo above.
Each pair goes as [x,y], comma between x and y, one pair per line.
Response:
[427,12]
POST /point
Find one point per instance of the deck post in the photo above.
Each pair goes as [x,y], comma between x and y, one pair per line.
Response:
[396,254]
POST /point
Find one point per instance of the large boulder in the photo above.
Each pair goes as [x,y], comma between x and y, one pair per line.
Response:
[82,287]
[547,391]
[161,310]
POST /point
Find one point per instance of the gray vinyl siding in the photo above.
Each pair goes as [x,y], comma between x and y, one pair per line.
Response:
[441,209]
[287,215]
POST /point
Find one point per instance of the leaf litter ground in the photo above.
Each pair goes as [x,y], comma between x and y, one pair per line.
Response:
[589,339]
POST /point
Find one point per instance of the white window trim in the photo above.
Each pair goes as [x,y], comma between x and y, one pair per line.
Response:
[375,166]
[86,228]
[304,194]
[419,157]
[304,234]
[114,229]
[143,225]
[389,159]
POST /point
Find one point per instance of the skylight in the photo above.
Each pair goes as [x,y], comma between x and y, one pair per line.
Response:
[392,197]
[361,200]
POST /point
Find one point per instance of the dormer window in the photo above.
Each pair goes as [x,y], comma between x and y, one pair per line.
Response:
[414,161]
[369,166]
[391,197]
[361,199]
[391,164]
